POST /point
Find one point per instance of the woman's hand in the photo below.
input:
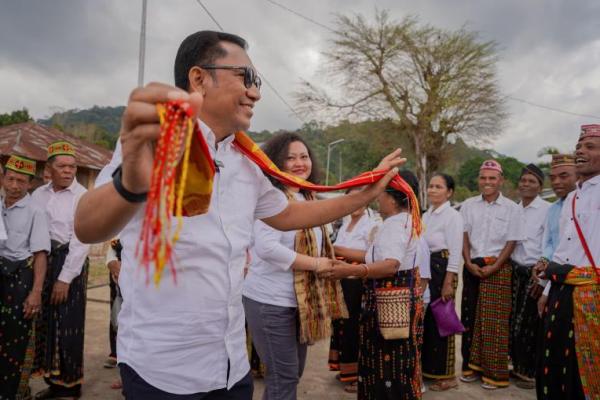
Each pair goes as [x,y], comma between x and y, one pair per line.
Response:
[448,291]
[324,267]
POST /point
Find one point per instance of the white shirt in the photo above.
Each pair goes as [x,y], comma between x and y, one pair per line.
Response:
[179,337]
[444,231]
[358,238]
[587,207]
[529,250]
[270,279]
[2,228]
[423,262]
[491,225]
[394,240]
[60,212]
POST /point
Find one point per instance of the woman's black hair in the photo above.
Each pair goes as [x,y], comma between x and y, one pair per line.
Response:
[450,185]
[400,198]
[277,149]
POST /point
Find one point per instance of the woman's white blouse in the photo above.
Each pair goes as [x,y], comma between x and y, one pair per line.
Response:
[270,278]
[358,238]
[444,231]
[394,240]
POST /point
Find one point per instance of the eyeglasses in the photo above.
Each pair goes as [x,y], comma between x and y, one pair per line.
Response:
[250,75]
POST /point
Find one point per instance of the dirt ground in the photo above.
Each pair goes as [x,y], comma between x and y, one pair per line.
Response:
[317,383]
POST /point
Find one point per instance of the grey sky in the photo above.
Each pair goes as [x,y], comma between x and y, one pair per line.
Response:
[63,54]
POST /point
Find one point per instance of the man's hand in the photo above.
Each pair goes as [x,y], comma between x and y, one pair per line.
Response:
[114,267]
[32,304]
[60,292]
[140,128]
[536,290]
[541,305]
[539,270]
[474,269]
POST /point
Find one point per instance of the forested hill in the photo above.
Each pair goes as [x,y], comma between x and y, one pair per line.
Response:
[364,144]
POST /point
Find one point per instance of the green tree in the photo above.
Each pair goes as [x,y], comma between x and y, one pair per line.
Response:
[433,85]
[15,117]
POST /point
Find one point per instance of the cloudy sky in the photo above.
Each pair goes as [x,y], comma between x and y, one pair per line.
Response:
[64,54]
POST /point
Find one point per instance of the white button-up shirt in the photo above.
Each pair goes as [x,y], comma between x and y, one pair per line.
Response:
[395,240]
[491,225]
[270,279]
[529,250]
[587,208]
[444,231]
[181,336]
[60,212]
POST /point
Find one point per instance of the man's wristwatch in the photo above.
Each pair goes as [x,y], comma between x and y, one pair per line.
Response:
[124,193]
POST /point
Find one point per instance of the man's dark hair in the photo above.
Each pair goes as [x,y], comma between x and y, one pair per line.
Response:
[277,149]
[199,48]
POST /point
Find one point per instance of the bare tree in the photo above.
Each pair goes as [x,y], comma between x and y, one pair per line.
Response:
[431,83]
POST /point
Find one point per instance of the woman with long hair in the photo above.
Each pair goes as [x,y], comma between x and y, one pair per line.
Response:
[389,369]
[288,303]
[351,244]
[444,236]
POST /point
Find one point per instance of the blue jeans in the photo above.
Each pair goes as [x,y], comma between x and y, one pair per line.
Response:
[274,334]
[136,388]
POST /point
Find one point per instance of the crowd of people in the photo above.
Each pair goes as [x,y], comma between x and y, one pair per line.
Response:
[263,264]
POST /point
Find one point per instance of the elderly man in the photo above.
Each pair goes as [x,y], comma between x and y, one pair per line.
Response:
[59,350]
[493,226]
[22,270]
[187,340]
[570,358]
[525,291]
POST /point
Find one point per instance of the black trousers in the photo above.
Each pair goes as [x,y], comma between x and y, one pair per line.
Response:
[136,388]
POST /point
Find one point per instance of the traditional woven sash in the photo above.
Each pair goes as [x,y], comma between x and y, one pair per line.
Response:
[184,188]
[319,300]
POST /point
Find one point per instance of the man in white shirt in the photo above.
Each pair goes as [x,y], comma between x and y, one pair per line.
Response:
[492,226]
[569,361]
[22,269]
[187,339]
[59,347]
[525,290]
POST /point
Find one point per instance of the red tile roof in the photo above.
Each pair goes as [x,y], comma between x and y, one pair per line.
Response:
[31,140]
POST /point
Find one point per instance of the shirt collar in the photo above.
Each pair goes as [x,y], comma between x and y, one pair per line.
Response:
[500,200]
[534,204]
[441,208]
[71,187]
[590,182]
[20,204]
[210,137]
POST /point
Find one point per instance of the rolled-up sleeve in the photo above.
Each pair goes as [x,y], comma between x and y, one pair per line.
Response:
[268,246]
[392,242]
[39,240]
[454,231]
[271,201]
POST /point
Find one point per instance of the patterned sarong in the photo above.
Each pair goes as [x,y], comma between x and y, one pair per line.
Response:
[16,332]
[438,352]
[319,300]
[524,324]
[59,345]
[489,349]
[586,321]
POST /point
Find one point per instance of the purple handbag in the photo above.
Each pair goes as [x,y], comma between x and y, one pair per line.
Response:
[445,317]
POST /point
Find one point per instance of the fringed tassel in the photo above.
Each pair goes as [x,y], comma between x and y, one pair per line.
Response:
[158,237]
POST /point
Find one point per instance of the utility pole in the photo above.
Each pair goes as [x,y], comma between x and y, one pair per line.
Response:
[329,146]
[142,45]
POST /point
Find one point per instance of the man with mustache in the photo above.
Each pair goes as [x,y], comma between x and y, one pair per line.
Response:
[526,291]
[492,226]
[187,339]
[570,357]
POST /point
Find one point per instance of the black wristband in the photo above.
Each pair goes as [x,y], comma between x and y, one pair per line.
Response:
[126,194]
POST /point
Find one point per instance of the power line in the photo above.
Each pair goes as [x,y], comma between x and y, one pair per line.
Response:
[530,103]
[300,15]
[210,15]
[261,74]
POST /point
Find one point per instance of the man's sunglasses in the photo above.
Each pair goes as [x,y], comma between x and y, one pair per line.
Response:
[250,75]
